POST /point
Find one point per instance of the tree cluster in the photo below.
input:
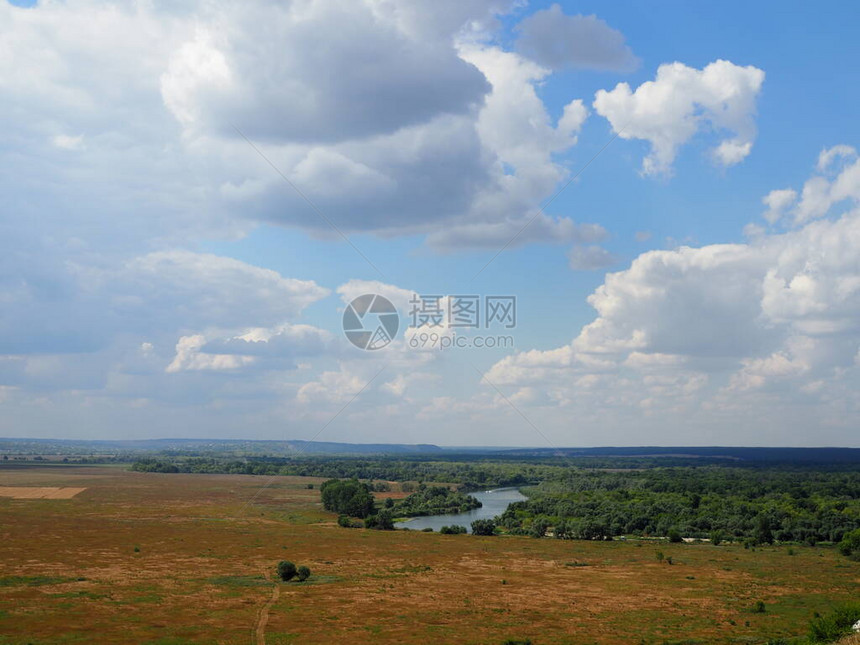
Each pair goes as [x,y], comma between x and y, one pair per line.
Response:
[435,500]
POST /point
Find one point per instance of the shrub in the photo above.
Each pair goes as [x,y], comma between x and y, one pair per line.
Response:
[850,544]
[539,528]
[382,521]
[286,570]
[659,556]
[717,538]
[824,629]
[674,536]
[483,527]
[344,521]
[429,529]
[758,607]
[303,573]
[452,530]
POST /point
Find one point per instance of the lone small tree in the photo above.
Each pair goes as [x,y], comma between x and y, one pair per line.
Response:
[303,573]
[286,570]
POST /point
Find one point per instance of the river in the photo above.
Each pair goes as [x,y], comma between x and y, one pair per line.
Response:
[494,503]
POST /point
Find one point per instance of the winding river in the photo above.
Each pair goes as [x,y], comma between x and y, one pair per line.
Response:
[494,503]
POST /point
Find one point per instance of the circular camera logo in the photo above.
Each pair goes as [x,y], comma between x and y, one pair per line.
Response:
[370,321]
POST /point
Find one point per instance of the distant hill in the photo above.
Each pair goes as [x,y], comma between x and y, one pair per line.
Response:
[728,453]
[220,446]
[295,447]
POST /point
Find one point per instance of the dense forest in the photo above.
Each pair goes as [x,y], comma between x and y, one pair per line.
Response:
[470,475]
[763,504]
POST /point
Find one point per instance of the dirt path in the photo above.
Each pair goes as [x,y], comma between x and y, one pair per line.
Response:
[264,615]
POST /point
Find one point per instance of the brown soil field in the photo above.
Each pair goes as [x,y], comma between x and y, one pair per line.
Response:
[38,492]
[172,559]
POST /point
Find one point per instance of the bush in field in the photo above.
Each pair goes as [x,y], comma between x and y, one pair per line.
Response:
[286,570]
[850,545]
[483,527]
[344,521]
[452,530]
[826,629]
[674,536]
[303,573]
[539,528]
[382,521]
[717,538]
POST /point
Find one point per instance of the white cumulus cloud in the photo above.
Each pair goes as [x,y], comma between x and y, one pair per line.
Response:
[682,101]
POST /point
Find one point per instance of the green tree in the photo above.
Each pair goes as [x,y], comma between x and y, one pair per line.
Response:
[347,496]
[763,532]
[539,528]
[850,544]
[286,570]
[674,536]
[382,521]
[303,573]
[483,527]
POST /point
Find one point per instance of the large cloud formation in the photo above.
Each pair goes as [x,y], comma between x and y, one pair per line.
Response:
[751,333]
[392,117]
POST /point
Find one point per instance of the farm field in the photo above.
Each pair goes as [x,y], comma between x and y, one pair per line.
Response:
[180,558]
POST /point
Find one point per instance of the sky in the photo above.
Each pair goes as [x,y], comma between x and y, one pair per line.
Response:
[193,194]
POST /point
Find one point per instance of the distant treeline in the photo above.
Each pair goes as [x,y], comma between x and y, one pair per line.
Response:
[765,504]
[471,476]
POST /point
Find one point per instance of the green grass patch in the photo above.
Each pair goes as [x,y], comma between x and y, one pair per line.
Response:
[240,581]
[33,581]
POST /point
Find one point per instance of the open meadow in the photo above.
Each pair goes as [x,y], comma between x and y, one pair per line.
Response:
[179,558]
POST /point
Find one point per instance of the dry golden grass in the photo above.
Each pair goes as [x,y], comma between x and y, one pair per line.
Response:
[854,639]
[207,546]
[39,492]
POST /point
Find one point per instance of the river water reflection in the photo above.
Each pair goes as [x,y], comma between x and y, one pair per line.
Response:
[494,503]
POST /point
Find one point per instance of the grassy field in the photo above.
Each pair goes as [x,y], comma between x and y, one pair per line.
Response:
[170,559]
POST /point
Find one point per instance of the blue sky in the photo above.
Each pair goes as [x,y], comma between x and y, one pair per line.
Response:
[161,279]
